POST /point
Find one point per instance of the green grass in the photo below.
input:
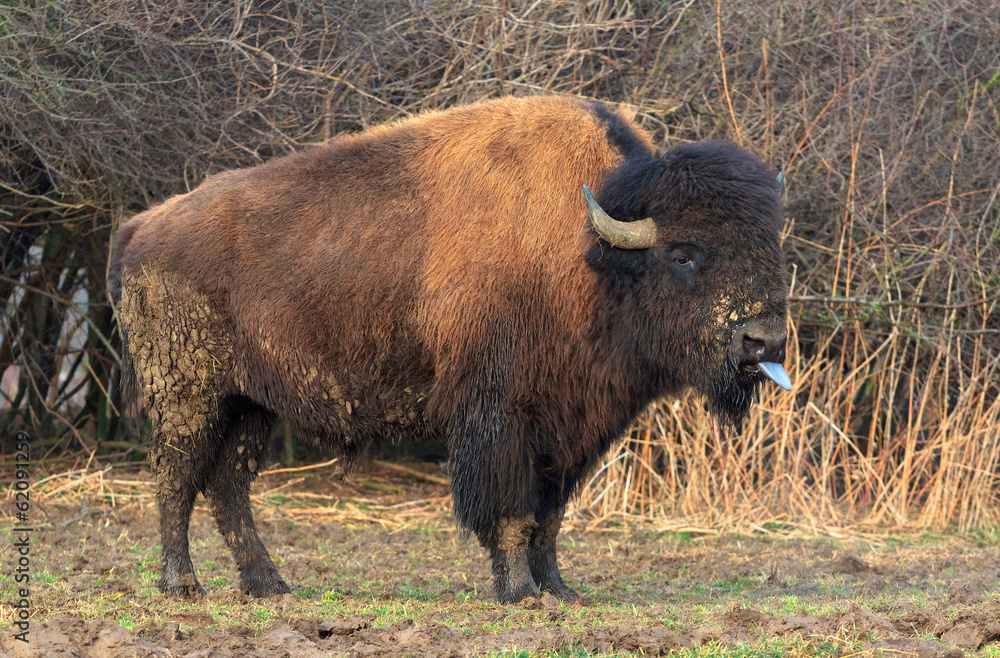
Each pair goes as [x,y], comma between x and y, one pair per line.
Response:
[785,647]
[701,595]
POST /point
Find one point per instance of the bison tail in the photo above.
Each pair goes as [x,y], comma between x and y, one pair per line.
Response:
[129,382]
[129,387]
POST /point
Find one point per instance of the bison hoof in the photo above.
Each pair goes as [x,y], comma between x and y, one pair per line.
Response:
[261,589]
[516,593]
[561,591]
[185,587]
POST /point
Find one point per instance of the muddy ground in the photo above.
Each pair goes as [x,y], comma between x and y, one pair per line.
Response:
[378,568]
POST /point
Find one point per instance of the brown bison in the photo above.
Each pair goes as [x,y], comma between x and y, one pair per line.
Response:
[450,276]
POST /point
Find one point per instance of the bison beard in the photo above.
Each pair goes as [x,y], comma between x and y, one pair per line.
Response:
[733,393]
[448,276]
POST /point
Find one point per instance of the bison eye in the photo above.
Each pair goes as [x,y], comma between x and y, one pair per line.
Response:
[685,262]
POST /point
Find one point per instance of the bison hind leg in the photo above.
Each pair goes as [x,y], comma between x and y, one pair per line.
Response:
[242,454]
[177,483]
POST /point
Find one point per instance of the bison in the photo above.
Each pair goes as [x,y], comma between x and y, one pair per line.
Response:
[450,275]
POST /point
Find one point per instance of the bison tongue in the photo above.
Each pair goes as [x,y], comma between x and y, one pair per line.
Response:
[776,373]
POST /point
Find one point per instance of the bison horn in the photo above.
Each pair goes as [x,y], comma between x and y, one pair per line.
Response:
[624,235]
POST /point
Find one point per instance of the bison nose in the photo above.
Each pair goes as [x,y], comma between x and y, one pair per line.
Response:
[758,341]
[762,344]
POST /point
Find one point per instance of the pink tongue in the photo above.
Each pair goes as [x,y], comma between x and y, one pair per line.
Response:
[776,373]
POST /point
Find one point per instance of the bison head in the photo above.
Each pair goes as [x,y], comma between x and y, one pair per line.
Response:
[696,255]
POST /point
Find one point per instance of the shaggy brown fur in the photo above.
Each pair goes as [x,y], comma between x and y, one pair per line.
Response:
[438,277]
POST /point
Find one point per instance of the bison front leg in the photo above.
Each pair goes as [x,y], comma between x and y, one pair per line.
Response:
[542,555]
[493,485]
[228,493]
[508,545]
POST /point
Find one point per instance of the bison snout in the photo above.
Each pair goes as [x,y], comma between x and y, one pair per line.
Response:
[761,344]
[759,341]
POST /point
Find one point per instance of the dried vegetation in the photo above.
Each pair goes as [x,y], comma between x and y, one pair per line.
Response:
[883,115]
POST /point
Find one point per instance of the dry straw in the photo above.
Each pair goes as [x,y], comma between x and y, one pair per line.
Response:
[883,115]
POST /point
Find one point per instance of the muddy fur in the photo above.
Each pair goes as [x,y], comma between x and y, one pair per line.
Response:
[439,277]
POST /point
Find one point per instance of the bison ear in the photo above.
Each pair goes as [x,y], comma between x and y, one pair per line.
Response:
[623,235]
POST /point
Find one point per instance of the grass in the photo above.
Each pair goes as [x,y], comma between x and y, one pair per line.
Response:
[777,648]
[143,609]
